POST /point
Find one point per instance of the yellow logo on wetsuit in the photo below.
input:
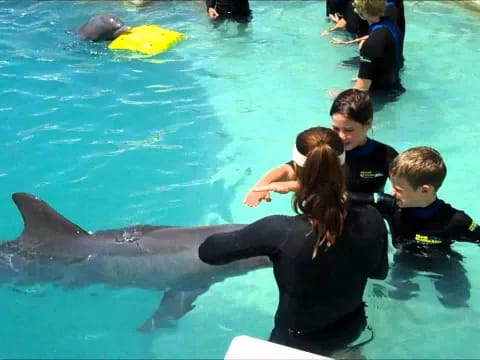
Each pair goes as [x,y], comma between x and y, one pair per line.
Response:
[426,240]
[369,174]
[472,226]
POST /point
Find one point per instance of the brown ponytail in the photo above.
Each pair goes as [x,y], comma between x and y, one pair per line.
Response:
[321,194]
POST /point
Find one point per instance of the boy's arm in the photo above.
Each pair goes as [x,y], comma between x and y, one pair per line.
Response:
[384,203]
[281,173]
[466,229]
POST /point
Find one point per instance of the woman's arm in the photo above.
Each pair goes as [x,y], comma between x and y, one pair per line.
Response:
[262,238]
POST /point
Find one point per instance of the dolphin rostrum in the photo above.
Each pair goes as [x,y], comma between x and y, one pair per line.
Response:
[102,27]
[53,249]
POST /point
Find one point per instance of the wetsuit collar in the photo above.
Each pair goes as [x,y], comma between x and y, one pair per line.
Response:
[382,21]
[362,150]
[426,211]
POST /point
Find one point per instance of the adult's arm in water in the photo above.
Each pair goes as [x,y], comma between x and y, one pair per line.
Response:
[283,172]
[261,238]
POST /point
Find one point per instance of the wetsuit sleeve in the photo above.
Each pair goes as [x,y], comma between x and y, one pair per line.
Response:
[384,203]
[379,256]
[210,3]
[465,229]
[262,238]
[372,49]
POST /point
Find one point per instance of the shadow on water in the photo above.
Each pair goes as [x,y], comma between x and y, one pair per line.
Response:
[447,275]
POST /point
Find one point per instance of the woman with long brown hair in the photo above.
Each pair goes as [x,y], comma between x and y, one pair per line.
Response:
[322,257]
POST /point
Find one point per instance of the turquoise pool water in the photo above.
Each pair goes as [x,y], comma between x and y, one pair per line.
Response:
[112,139]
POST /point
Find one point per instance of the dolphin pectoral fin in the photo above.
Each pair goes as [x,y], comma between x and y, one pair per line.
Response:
[174,304]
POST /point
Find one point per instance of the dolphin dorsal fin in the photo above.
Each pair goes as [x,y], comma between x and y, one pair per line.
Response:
[43,222]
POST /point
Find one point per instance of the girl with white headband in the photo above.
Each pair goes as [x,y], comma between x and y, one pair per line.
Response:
[321,258]
[366,160]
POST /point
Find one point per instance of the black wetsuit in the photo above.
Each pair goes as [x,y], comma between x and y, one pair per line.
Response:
[314,294]
[366,167]
[381,56]
[428,231]
[423,237]
[238,10]
[399,16]
[395,12]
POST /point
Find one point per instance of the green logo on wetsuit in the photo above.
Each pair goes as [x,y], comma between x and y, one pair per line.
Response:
[427,240]
[473,226]
[369,174]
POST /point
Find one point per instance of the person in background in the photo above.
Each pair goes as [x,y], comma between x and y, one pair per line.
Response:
[395,12]
[381,54]
[237,10]
[321,258]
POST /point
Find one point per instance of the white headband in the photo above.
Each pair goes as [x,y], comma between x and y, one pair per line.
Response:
[300,159]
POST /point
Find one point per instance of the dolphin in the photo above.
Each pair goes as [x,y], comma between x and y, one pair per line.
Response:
[165,258]
[102,27]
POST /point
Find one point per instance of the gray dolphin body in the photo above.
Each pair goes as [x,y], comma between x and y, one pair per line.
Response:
[102,27]
[53,249]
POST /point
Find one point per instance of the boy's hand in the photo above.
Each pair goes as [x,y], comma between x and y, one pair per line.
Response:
[253,197]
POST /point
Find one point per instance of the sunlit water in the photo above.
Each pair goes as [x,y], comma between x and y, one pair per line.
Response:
[112,139]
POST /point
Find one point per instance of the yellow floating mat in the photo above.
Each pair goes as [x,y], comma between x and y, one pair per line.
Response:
[146,39]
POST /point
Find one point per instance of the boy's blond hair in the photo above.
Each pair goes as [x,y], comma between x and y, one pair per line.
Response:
[370,7]
[419,166]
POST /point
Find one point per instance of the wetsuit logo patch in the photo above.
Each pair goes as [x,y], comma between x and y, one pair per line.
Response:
[369,174]
[473,226]
[427,240]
